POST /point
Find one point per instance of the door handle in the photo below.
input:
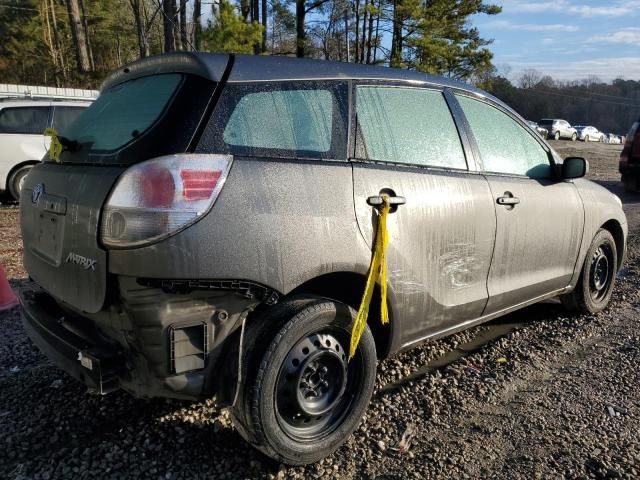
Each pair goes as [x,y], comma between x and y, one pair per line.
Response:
[509,201]
[376,200]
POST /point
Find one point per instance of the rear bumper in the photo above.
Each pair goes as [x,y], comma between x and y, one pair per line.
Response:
[81,353]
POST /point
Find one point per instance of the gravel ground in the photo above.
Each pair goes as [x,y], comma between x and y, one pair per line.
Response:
[536,394]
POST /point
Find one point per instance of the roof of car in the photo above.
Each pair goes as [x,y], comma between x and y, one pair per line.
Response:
[253,68]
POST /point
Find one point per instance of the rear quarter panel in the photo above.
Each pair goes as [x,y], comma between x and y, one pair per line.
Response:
[279,223]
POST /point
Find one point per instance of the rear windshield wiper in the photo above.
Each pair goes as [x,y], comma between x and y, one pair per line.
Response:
[69,145]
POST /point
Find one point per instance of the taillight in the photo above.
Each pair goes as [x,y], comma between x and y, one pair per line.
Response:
[159,197]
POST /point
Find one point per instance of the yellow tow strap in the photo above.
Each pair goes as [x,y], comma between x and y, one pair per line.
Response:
[55,149]
[378,268]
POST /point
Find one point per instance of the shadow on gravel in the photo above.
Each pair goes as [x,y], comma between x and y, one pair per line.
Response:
[486,335]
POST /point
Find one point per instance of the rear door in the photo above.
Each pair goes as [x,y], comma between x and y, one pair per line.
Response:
[540,218]
[407,144]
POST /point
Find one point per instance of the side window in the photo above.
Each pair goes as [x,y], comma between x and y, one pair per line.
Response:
[505,146]
[65,116]
[408,125]
[280,119]
[24,120]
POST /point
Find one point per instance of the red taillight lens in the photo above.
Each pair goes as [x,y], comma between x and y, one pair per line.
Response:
[198,184]
[157,187]
[156,198]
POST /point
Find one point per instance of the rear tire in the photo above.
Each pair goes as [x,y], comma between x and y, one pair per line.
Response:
[586,138]
[301,398]
[557,136]
[16,181]
[597,278]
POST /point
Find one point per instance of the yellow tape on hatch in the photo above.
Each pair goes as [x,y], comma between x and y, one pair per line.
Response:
[55,149]
[378,269]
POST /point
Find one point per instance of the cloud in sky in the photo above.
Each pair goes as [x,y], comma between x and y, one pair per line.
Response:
[531,27]
[615,9]
[629,36]
[605,68]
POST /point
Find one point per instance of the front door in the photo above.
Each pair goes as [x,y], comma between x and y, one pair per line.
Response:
[441,239]
[539,218]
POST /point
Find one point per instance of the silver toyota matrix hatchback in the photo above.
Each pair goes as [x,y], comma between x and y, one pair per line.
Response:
[208,228]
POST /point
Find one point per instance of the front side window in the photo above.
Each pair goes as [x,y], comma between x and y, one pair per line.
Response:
[408,125]
[30,120]
[281,119]
[505,146]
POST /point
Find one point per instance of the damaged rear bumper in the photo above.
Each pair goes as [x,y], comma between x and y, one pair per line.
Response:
[78,351]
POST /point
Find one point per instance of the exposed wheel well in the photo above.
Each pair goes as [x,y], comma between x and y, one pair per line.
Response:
[347,287]
[16,168]
[616,230]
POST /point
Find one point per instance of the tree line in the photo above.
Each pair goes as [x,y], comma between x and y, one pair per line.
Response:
[612,107]
[76,42]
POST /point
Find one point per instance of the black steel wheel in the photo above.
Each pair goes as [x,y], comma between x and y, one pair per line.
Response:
[597,278]
[305,397]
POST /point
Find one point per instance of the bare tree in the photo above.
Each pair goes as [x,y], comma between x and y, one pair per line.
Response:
[169,13]
[197,23]
[78,36]
[138,8]
[529,78]
[184,41]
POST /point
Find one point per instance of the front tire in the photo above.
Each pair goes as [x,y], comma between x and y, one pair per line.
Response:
[305,398]
[16,181]
[574,137]
[595,285]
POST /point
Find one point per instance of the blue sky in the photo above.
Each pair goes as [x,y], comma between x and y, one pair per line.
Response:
[567,39]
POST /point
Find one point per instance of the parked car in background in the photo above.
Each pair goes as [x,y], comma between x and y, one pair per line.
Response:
[630,159]
[220,251]
[22,140]
[543,132]
[558,128]
[613,138]
[587,133]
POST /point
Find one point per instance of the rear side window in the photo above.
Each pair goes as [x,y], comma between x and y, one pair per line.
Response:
[505,146]
[408,125]
[280,119]
[123,112]
[65,116]
[31,120]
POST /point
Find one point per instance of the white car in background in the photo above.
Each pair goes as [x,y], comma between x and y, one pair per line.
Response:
[587,133]
[22,140]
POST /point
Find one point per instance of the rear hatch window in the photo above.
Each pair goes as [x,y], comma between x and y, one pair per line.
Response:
[138,119]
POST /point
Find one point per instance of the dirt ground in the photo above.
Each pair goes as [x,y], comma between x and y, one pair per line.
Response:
[536,394]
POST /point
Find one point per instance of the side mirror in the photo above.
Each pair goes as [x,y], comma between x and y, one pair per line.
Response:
[574,167]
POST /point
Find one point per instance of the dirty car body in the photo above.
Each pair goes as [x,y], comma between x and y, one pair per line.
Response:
[275,162]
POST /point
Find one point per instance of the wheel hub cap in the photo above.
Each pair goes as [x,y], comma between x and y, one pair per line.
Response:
[311,384]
